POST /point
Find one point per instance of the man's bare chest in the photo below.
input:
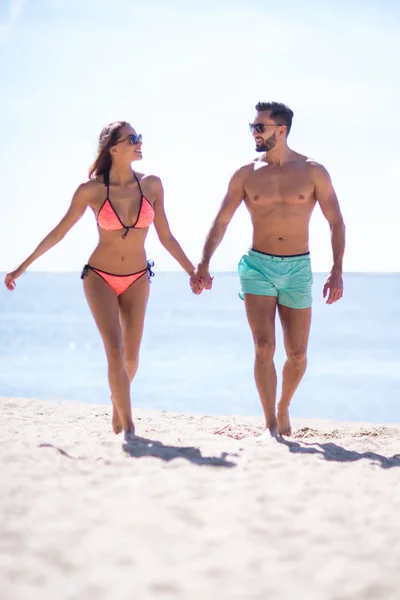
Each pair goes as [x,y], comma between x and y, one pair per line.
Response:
[275,186]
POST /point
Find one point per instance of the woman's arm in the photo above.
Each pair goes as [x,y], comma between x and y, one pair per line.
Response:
[77,208]
[164,233]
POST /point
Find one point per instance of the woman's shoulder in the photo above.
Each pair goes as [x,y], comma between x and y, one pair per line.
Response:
[150,180]
[89,190]
[95,185]
[147,177]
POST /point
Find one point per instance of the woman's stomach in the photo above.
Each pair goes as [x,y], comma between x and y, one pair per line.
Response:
[120,255]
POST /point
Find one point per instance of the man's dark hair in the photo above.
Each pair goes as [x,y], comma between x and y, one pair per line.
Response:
[280,113]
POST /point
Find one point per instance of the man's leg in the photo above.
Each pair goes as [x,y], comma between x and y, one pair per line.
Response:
[261,312]
[296,328]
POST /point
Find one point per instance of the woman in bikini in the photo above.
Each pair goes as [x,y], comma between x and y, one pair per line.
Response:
[116,278]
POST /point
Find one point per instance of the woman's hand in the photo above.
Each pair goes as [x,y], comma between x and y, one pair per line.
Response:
[203,275]
[196,283]
[201,279]
[11,277]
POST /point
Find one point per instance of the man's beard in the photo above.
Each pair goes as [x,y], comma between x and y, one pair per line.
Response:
[267,145]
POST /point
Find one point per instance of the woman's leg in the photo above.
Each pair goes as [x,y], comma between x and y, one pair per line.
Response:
[132,304]
[104,305]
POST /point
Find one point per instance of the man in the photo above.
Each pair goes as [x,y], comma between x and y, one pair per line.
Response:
[280,190]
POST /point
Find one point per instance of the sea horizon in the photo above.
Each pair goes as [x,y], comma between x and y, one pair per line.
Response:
[197,351]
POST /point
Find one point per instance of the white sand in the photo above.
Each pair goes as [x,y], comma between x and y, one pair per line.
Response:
[193,514]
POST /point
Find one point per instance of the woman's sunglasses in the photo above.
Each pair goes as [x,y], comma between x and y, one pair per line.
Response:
[133,139]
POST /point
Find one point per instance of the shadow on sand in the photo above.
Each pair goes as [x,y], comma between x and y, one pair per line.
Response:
[332,452]
[139,447]
[60,450]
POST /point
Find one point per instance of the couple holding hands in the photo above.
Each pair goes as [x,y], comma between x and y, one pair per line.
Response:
[280,190]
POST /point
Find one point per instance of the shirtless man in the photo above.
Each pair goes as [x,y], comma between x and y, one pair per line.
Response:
[280,190]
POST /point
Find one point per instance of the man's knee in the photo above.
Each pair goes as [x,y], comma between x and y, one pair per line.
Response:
[265,349]
[298,357]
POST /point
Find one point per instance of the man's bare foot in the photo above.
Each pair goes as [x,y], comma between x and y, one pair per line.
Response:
[284,426]
[116,421]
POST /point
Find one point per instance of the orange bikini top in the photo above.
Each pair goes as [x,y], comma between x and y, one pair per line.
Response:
[108,219]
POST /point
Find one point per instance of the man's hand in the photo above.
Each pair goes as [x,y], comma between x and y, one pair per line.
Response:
[201,279]
[334,284]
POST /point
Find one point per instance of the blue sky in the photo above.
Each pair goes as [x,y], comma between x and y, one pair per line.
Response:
[187,75]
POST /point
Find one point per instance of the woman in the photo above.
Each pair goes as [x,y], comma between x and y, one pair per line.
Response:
[116,278]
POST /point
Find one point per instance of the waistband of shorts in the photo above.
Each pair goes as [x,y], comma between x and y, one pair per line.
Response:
[278,257]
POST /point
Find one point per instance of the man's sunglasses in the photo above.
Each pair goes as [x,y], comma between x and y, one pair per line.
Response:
[260,127]
[133,139]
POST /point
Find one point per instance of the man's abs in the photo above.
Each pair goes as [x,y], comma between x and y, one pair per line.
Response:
[281,234]
[280,208]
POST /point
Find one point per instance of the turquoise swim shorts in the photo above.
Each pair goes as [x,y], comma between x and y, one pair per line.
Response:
[289,278]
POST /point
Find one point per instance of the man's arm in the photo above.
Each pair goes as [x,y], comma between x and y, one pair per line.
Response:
[327,199]
[230,203]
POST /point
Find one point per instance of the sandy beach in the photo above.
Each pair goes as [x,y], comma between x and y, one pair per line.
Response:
[198,507]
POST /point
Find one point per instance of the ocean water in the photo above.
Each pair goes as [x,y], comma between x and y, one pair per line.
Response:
[197,353]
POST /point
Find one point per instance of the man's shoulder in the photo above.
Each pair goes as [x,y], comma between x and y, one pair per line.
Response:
[302,160]
[245,170]
[317,172]
[314,165]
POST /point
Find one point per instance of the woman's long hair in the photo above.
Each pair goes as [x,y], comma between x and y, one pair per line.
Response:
[108,138]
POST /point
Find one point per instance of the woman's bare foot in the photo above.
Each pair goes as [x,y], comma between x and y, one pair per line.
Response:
[271,431]
[116,421]
[129,435]
[284,426]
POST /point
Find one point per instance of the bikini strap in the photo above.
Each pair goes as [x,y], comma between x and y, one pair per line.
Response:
[138,182]
[106,176]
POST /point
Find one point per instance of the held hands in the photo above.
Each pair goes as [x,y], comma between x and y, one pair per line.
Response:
[10,278]
[334,284]
[201,279]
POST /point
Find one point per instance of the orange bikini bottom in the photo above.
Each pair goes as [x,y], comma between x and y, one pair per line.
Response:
[119,283]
